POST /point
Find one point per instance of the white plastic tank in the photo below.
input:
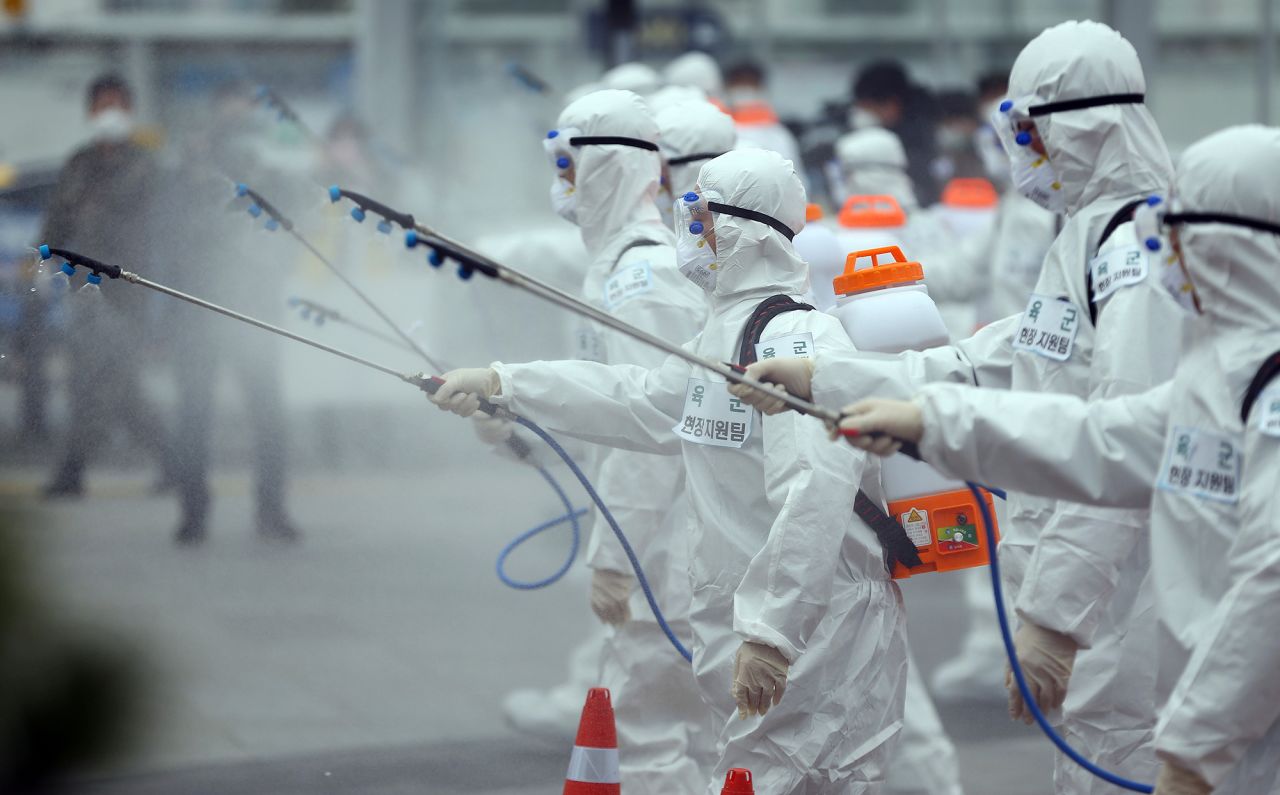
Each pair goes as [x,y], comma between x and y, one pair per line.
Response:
[819,247]
[884,305]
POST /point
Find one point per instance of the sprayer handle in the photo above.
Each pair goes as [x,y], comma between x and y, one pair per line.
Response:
[432,383]
[403,220]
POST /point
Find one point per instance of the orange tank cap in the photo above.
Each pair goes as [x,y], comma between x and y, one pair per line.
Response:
[890,274]
[871,212]
[754,113]
[970,193]
[813,212]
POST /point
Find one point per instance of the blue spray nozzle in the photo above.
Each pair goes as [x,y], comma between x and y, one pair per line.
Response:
[320,318]
[293,300]
[562,162]
[358,214]
[255,210]
[691,197]
[1152,201]
[271,225]
[242,189]
[45,253]
[410,238]
[1023,138]
[1006,106]
[696,227]
[553,133]
[435,258]
[465,273]
[262,92]
[1152,244]
[335,193]
[93,278]
[384,226]
[306,313]
[68,269]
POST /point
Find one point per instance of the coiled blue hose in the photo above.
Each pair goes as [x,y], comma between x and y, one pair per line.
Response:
[571,515]
[617,531]
[1054,737]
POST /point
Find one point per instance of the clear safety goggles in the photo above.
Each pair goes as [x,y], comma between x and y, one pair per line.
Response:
[1155,216]
[1007,117]
[561,144]
[695,212]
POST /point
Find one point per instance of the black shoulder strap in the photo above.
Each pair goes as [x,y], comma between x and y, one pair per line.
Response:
[897,546]
[1269,370]
[628,247]
[1123,216]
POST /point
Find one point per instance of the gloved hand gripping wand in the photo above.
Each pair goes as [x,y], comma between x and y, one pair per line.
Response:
[471,262]
[427,383]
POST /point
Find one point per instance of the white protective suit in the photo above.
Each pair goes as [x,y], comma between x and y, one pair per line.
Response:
[1214,554]
[697,70]
[1105,157]
[662,727]
[693,132]
[632,76]
[778,556]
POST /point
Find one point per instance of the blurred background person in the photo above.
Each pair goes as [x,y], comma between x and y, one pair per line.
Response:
[102,203]
[884,96]
[753,114]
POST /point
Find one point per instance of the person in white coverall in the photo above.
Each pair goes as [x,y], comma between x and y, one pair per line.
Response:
[608,190]
[693,132]
[1086,145]
[696,70]
[794,615]
[1203,451]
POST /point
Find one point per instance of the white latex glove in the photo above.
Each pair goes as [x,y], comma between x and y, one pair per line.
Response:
[611,596]
[1177,780]
[881,426]
[1046,657]
[463,389]
[793,375]
[492,430]
[759,678]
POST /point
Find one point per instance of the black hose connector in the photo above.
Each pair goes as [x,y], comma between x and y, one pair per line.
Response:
[467,261]
[98,267]
[403,220]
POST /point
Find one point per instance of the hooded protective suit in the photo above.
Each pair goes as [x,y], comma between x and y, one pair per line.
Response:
[697,70]
[632,274]
[1105,157]
[632,76]
[693,132]
[777,555]
[1213,551]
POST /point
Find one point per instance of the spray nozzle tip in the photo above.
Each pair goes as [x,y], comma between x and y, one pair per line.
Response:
[242,189]
[45,253]
[410,238]
[358,214]
[335,193]
[94,278]
[465,273]
[68,268]
[435,258]
[384,226]
[262,92]
[255,210]
[271,225]
[293,300]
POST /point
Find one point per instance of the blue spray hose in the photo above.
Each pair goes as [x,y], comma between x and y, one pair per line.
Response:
[571,516]
[617,531]
[1012,654]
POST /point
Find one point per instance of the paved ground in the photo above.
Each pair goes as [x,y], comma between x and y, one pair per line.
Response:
[373,657]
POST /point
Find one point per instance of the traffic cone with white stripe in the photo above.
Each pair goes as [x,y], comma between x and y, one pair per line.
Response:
[738,782]
[593,768]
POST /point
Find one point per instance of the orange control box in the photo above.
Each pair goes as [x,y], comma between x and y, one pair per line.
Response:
[947,529]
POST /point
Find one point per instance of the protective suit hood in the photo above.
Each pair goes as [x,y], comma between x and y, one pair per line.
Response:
[1234,172]
[755,259]
[632,76]
[693,128]
[874,163]
[696,69]
[616,184]
[1102,152]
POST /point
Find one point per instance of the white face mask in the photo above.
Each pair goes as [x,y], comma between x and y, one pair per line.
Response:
[694,253]
[564,200]
[860,118]
[1149,227]
[994,161]
[111,124]
[1032,173]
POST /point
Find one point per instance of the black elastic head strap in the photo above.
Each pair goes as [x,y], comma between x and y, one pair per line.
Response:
[618,140]
[683,159]
[752,215]
[1222,218]
[1085,102]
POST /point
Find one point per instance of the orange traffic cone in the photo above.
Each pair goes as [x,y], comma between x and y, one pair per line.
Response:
[593,768]
[738,782]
